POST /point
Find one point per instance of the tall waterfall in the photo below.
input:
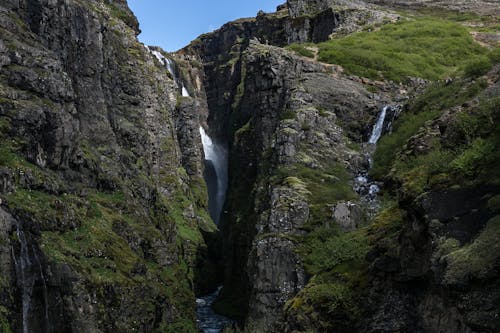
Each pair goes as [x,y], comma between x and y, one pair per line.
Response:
[379,126]
[29,273]
[216,157]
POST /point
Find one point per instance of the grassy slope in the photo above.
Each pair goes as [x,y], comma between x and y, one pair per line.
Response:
[431,48]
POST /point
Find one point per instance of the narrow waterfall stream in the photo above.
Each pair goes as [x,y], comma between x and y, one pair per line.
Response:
[379,126]
[365,187]
[217,163]
[29,271]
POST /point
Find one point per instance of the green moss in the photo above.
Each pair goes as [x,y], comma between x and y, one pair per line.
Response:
[93,248]
[287,114]
[122,14]
[4,322]
[494,204]
[476,260]
[46,208]
[426,47]
[324,186]
[494,54]
[301,49]
[325,248]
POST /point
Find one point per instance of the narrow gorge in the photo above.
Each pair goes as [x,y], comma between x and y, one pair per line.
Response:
[327,167]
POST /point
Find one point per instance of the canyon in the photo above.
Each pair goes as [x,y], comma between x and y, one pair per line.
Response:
[271,176]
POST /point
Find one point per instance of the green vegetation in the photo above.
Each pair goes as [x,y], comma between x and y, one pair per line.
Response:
[336,263]
[338,269]
[4,322]
[477,259]
[122,14]
[427,106]
[321,186]
[287,114]
[325,248]
[429,48]
[301,49]
[478,66]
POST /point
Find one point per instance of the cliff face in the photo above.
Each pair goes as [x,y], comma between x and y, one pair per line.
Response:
[304,251]
[103,207]
[102,196]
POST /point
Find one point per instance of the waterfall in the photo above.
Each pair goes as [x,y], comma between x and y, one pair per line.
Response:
[379,126]
[169,65]
[365,187]
[25,279]
[28,270]
[217,157]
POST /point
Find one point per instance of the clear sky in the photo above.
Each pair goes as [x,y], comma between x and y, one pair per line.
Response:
[172,24]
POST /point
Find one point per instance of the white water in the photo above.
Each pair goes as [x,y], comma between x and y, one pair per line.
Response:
[379,126]
[170,67]
[217,154]
[169,64]
[208,320]
[27,273]
[26,281]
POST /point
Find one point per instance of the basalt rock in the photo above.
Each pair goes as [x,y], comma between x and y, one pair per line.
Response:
[101,188]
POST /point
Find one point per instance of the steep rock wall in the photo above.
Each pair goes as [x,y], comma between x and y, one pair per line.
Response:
[99,175]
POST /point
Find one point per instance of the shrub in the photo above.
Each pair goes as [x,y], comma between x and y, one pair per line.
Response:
[471,159]
[477,67]
[494,55]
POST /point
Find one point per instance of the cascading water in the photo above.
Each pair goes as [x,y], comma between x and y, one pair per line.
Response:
[379,126]
[29,271]
[208,320]
[216,157]
[366,188]
[169,64]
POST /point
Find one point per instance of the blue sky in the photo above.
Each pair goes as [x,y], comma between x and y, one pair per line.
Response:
[172,24]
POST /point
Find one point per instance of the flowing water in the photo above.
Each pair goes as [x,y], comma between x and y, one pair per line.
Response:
[217,155]
[363,185]
[208,320]
[29,271]
[379,126]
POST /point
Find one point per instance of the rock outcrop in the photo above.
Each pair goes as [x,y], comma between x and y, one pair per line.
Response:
[103,203]
[104,222]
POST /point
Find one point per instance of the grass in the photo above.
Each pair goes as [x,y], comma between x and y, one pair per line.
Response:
[428,106]
[325,248]
[321,186]
[301,49]
[475,260]
[429,48]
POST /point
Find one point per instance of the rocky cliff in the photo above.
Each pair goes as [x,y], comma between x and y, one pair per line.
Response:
[102,197]
[304,248]
[103,214]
